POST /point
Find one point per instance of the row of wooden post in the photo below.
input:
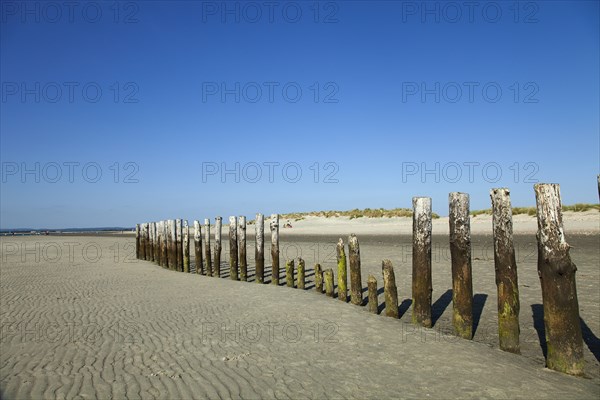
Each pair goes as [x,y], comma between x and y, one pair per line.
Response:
[167,243]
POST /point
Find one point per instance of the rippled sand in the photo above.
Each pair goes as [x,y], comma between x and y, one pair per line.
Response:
[80,318]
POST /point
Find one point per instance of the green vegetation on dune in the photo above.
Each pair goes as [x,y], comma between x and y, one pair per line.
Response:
[579,207]
[356,213]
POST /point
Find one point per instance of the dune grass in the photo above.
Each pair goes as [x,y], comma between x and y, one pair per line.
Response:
[578,207]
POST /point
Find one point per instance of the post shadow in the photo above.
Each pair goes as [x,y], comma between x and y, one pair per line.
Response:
[440,305]
[478,303]
[538,324]
[591,340]
[403,307]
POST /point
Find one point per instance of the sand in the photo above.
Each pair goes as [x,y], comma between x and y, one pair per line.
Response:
[96,323]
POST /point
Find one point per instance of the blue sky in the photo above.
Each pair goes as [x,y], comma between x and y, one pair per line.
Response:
[388,90]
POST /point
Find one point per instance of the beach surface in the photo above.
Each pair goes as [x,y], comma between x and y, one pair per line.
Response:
[80,317]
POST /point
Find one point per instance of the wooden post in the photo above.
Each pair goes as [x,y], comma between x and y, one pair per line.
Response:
[168,243]
[198,248]
[275,249]
[318,278]
[233,249]
[390,290]
[242,248]
[142,242]
[328,277]
[289,273]
[172,245]
[506,271]
[460,254]
[137,241]
[179,242]
[217,263]
[422,286]
[355,278]
[156,243]
[151,241]
[207,251]
[559,292]
[147,240]
[164,248]
[373,300]
[342,271]
[259,251]
[301,280]
[186,247]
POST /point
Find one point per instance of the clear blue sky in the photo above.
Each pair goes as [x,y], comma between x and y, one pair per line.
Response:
[370,118]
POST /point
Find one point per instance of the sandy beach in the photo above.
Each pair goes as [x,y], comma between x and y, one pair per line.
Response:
[82,318]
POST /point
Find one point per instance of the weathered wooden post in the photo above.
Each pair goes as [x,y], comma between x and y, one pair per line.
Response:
[259,251]
[198,248]
[186,247]
[373,301]
[137,241]
[390,290]
[355,279]
[318,278]
[148,243]
[233,249]
[422,286]
[289,273]
[151,240]
[559,292]
[301,280]
[156,242]
[142,242]
[164,249]
[328,277]
[242,248]
[342,271]
[173,245]
[506,271]
[275,248]
[217,263]
[179,242]
[207,251]
[167,230]
[460,254]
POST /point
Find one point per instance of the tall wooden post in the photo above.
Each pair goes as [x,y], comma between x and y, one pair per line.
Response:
[259,251]
[173,245]
[198,248]
[301,281]
[355,278]
[186,247]
[460,254]
[289,273]
[207,251]
[390,290]
[328,277]
[156,242]
[168,243]
[373,301]
[164,248]
[179,242]
[233,249]
[275,248]
[148,242]
[242,248]
[422,286]
[137,241]
[559,292]
[342,271]
[318,278]
[142,242]
[151,237]
[217,263]
[505,263]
